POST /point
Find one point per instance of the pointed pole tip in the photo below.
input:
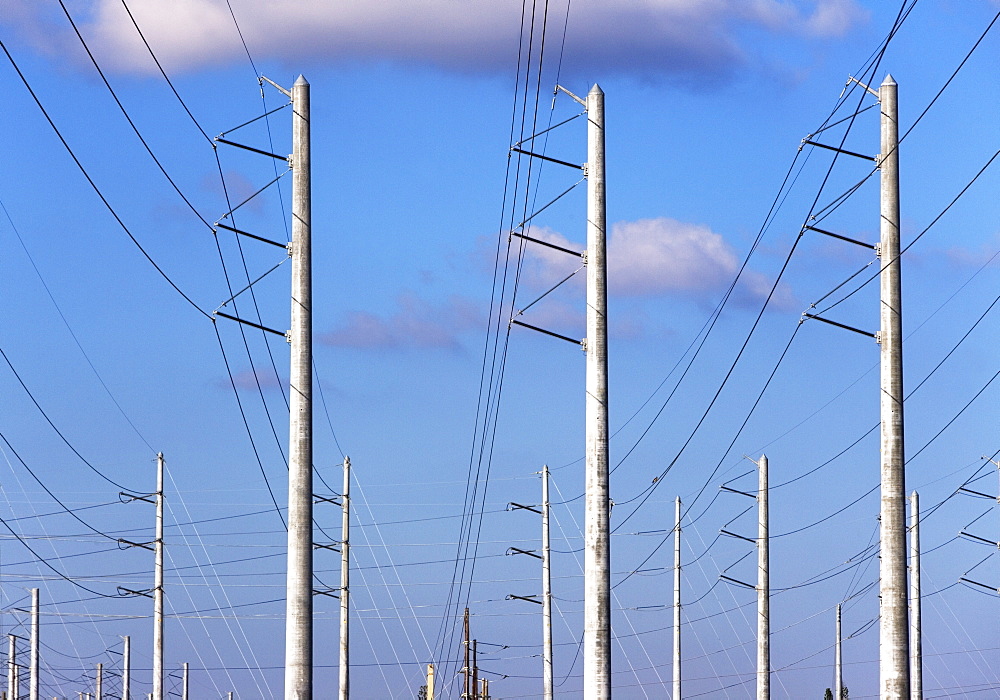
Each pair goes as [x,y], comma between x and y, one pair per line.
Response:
[301,80]
[889,80]
[596,89]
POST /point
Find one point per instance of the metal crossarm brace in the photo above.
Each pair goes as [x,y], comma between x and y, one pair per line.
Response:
[128,591]
[980,539]
[542,330]
[250,235]
[250,323]
[576,166]
[978,493]
[144,545]
[329,592]
[981,585]
[841,325]
[738,583]
[739,537]
[219,139]
[515,506]
[530,599]
[575,253]
[842,238]
[839,150]
[530,553]
[742,493]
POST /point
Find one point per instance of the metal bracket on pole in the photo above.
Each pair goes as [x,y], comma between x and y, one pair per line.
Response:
[515,506]
[126,497]
[739,537]
[738,583]
[329,592]
[250,235]
[981,585]
[575,253]
[842,238]
[852,79]
[977,538]
[219,139]
[978,493]
[122,591]
[515,322]
[144,545]
[530,599]
[862,156]
[560,88]
[331,546]
[841,325]
[250,323]
[264,79]
[575,166]
[530,553]
[742,493]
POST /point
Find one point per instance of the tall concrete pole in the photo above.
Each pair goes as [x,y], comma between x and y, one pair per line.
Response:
[33,680]
[158,587]
[763,587]
[184,683]
[345,559]
[677,599]
[430,681]
[916,647]
[467,668]
[838,663]
[12,689]
[299,604]
[126,668]
[597,557]
[547,677]
[894,656]
[99,690]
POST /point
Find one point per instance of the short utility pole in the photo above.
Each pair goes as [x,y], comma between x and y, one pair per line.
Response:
[677,599]
[184,683]
[894,652]
[99,685]
[546,597]
[158,587]
[345,560]
[13,690]
[35,643]
[838,663]
[916,647]
[597,549]
[126,667]
[299,588]
[763,587]
[467,666]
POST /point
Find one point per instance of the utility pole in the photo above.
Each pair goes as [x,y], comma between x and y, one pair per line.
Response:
[467,668]
[99,689]
[475,670]
[126,668]
[184,683]
[677,599]
[33,681]
[430,681]
[13,691]
[299,604]
[916,648]
[894,657]
[763,587]
[158,586]
[838,663]
[547,680]
[345,558]
[597,558]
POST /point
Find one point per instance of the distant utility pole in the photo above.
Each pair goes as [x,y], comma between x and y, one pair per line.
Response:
[158,586]
[894,656]
[916,647]
[677,599]
[838,663]
[126,668]
[430,681]
[547,676]
[13,691]
[345,559]
[99,685]
[33,687]
[299,603]
[467,667]
[597,557]
[763,587]
[184,683]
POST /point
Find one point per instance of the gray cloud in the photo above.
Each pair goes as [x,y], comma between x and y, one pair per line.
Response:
[667,38]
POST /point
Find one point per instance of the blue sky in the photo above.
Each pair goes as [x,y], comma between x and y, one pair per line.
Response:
[707,104]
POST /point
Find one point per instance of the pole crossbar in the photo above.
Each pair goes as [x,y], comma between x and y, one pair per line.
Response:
[979,539]
[251,235]
[806,142]
[739,537]
[530,599]
[840,237]
[575,166]
[122,591]
[219,139]
[729,579]
[841,325]
[742,493]
[144,545]
[515,506]
[249,323]
[515,322]
[981,585]
[576,253]
[978,493]
[530,553]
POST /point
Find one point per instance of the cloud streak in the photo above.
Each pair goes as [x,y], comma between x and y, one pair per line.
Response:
[666,38]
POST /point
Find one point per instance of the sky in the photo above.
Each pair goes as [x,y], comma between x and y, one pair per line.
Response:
[111,273]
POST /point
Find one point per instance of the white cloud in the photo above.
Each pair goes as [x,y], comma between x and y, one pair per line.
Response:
[656,257]
[679,38]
